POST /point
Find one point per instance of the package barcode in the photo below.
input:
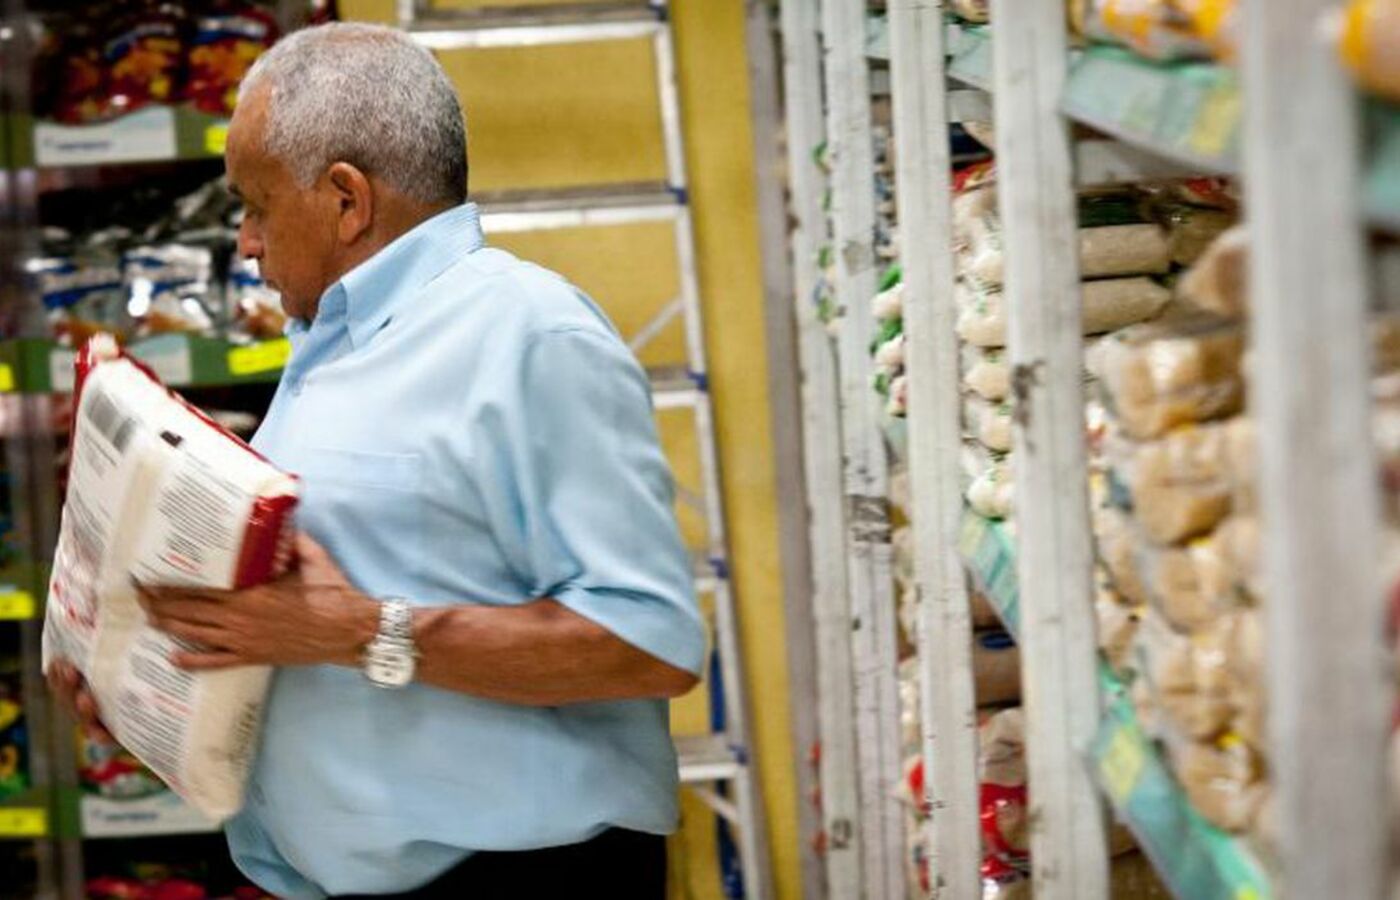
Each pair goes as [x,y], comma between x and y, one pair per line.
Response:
[104,415]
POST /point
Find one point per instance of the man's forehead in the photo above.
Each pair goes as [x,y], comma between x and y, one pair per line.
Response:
[244,146]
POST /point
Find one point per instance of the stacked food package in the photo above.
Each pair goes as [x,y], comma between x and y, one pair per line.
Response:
[125,55]
[1161,29]
[1003,809]
[1368,41]
[14,734]
[997,679]
[1185,471]
[166,881]
[986,371]
[176,271]
[1122,252]
[975,11]
[1176,526]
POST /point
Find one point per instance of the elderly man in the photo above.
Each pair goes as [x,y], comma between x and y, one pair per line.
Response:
[493,600]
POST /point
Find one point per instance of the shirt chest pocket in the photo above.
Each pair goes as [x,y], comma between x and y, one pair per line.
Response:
[368,508]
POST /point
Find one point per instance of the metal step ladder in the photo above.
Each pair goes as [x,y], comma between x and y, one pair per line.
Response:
[717,768]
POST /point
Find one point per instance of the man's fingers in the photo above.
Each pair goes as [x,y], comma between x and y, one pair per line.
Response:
[85,705]
[165,614]
[155,594]
[64,681]
[214,659]
[207,636]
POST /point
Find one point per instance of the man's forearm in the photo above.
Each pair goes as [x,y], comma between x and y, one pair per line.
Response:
[536,654]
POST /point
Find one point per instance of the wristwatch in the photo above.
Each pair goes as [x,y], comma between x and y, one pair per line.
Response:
[391,658]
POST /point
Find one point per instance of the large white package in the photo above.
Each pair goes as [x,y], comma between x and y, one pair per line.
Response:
[159,493]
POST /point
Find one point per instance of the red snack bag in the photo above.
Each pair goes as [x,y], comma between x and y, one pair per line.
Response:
[227,41]
[72,82]
[144,60]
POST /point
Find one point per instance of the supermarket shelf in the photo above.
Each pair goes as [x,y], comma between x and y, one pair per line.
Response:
[25,816]
[896,430]
[1194,858]
[1186,112]
[989,552]
[970,55]
[1170,120]
[877,38]
[157,816]
[17,605]
[707,757]
[1129,157]
[151,135]
[36,366]
[1382,185]
[181,361]
[538,26]
[22,588]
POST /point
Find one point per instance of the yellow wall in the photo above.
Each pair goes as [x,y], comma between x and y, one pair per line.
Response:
[587,115]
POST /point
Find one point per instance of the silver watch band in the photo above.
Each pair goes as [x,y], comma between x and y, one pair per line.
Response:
[396,621]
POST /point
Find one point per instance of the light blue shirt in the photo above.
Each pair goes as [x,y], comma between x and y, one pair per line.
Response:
[470,429]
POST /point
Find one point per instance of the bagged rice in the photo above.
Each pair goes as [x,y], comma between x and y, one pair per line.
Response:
[1180,484]
[1180,370]
[159,493]
[1108,306]
[988,423]
[986,372]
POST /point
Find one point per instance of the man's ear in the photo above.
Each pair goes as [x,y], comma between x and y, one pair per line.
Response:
[355,199]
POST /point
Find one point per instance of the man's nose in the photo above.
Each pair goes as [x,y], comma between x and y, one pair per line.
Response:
[250,245]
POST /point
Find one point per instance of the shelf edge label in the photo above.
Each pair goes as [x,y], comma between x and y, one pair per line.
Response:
[267,356]
[17,606]
[147,134]
[23,822]
[216,138]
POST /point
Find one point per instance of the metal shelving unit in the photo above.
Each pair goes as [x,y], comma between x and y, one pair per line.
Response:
[1289,124]
[871,617]
[822,461]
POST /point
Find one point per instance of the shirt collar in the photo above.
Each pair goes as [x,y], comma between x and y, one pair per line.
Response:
[366,296]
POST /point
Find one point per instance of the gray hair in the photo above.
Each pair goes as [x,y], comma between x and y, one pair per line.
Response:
[369,96]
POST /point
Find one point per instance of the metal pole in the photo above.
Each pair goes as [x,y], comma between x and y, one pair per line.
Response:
[784,391]
[1059,651]
[868,548]
[1329,686]
[924,195]
[838,762]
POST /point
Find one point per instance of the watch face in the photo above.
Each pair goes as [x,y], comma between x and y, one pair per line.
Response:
[389,664]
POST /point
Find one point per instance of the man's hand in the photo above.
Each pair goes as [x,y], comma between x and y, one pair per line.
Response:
[67,684]
[311,616]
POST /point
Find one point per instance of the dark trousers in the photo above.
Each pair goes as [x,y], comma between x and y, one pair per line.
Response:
[617,864]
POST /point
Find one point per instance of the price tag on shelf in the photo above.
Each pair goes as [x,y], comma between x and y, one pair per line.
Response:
[1217,121]
[267,356]
[1121,763]
[216,138]
[7,378]
[23,822]
[148,134]
[17,605]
